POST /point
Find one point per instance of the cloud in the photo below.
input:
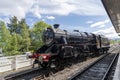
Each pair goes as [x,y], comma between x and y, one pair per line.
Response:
[36,11]
[89,22]
[108,32]
[89,7]
[54,7]
[100,23]
[66,7]
[43,20]
[50,7]
[50,17]
[6,20]
[15,7]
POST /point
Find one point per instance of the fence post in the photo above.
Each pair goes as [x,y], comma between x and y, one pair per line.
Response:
[13,63]
[16,62]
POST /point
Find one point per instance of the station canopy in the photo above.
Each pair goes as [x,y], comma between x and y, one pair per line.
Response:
[113,9]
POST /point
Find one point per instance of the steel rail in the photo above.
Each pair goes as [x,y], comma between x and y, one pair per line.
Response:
[110,66]
[20,73]
[86,68]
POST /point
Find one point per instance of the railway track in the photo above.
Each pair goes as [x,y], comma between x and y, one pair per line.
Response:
[31,74]
[38,73]
[28,74]
[22,73]
[101,69]
[111,70]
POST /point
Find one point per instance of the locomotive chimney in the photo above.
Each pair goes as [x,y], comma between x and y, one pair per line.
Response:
[56,26]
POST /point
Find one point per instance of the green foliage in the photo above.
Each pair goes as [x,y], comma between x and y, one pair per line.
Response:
[13,25]
[5,38]
[114,41]
[25,43]
[14,44]
[16,37]
[36,34]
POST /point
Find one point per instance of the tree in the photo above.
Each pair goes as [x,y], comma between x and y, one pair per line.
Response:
[14,43]
[13,25]
[24,32]
[17,38]
[36,34]
[5,38]
[20,32]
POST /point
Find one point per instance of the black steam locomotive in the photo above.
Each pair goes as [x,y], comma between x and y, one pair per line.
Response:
[61,44]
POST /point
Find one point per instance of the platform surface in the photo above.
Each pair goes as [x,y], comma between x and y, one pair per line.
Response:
[117,71]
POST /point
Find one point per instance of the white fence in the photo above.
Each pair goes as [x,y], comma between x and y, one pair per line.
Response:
[14,62]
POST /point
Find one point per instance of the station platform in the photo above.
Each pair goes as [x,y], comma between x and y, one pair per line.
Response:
[117,70]
[2,75]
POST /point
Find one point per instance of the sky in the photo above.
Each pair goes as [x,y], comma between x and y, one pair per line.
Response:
[82,15]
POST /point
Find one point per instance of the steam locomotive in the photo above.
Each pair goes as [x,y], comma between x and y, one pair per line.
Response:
[61,44]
